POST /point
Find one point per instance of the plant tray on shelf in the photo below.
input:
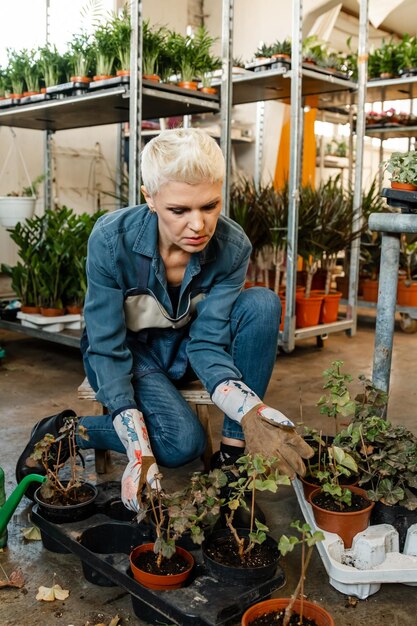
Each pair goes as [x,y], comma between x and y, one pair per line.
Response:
[67,88]
[373,559]
[103,543]
[8,102]
[404,200]
[51,324]
[39,97]
[108,82]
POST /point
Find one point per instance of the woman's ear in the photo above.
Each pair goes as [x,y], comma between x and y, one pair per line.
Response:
[147,197]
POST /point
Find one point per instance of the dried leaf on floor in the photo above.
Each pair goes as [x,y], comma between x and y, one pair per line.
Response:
[16,579]
[115,621]
[351,601]
[49,594]
[32,533]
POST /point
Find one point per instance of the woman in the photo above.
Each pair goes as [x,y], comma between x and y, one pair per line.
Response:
[164,306]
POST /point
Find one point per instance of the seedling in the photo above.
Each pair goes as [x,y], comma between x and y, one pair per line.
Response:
[337,403]
[340,463]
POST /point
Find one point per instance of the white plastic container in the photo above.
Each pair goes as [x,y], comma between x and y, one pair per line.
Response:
[373,559]
[14,209]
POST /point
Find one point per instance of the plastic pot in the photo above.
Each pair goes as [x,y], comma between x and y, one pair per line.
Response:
[32,310]
[403,186]
[307,310]
[407,294]
[52,312]
[311,611]
[370,290]
[330,307]
[396,515]
[60,514]
[239,575]
[211,90]
[346,525]
[14,209]
[160,581]
[283,308]
[154,77]
[188,84]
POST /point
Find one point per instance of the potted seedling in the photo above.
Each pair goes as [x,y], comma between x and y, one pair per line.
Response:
[278,611]
[403,169]
[51,64]
[81,57]
[342,510]
[208,65]
[121,28]
[16,66]
[281,50]
[153,42]
[406,53]
[31,72]
[164,564]
[104,50]
[245,555]
[63,499]
[386,457]
[190,54]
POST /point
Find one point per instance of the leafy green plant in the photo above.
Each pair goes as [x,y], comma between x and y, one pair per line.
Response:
[55,488]
[281,47]
[121,27]
[81,55]
[337,402]
[16,70]
[153,42]
[314,49]
[31,71]
[190,53]
[403,167]
[257,473]
[408,257]
[406,53]
[383,60]
[263,51]
[30,190]
[307,539]
[52,66]
[193,509]
[339,463]
[105,47]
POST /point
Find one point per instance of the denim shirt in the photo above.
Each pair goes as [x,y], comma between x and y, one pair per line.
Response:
[114,353]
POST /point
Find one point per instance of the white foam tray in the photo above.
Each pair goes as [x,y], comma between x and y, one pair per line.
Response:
[373,559]
[51,324]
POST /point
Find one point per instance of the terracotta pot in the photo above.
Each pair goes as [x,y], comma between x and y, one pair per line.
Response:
[308,487]
[30,309]
[403,186]
[386,75]
[43,89]
[311,611]
[212,90]
[154,77]
[15,96]
[407,294]
[123,73]
[342,284]
[30,93]
[330,307]
[80,79]
[370,290]
[307,310]
[188,84]
[283,57]
[74,310]
[52,312]
[155,581]
[102,77]
[346,525]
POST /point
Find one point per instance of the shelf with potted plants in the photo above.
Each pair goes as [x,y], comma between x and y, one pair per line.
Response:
[88,92]
[392,70]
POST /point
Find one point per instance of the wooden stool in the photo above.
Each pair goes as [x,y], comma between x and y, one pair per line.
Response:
[194,394]
[102,457]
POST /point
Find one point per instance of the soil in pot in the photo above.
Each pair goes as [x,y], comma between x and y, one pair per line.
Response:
[271,613]
[221,557]
[324,501]
[168,576]
[146,561]
[77,505]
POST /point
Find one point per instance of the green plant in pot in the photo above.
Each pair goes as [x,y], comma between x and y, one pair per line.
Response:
[239,554]
[281,610]
[164,564]
[281,49]
[81,58]
[153,42]
[62,498]
[104,50]
[208,65]
[19,205]
[121,28]
[264,51]
[51,64]
[403,169]
[16,66]
[189,53]
[31,71]
[406,54]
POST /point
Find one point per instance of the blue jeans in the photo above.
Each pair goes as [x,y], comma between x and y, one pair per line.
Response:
[175,432]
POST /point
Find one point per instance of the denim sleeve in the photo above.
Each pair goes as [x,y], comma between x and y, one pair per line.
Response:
[210,333]
[108,354]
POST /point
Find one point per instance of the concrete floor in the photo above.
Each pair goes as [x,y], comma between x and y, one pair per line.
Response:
[41,378]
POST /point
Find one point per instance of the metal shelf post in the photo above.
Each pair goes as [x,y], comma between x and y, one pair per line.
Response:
[226,97]
[135,103]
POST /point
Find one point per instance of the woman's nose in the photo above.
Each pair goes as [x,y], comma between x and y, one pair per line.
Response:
[196,222]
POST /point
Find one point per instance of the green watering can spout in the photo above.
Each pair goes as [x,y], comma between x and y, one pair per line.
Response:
[9,507]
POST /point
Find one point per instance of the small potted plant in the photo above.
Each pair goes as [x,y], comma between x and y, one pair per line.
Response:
[31,72]
[104,50]
[63,499]
[51,64]
[81,59]
[16,66]
[164,564]
[403,169]
[245,555]
[153,42]
[279,610]
[121,28]
[281,50]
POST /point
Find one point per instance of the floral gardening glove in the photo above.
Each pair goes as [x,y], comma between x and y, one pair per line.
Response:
[141,468]
[267,431]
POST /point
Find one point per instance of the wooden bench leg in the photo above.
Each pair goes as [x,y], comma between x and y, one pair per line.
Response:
[204,417]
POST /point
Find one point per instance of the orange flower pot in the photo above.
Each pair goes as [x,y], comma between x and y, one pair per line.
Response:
[311,611]
[74,309]
[307,310]
[33,310]
[80,79]
[283,309]
[30,93]
[330,307]
[15,96]
[154,77]
[403,186]
[370,290]
[52,312]
[123,73]
[102,77]
[407,293]
[346,525]
[212,90]
[188,84]
[156,581]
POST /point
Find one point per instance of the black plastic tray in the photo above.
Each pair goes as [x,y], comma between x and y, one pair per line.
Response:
[404,200]
[203,602]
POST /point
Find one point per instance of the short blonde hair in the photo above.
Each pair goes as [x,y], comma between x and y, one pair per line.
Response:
[186,155]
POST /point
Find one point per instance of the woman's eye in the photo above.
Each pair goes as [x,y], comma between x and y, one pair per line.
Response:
[177,211]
